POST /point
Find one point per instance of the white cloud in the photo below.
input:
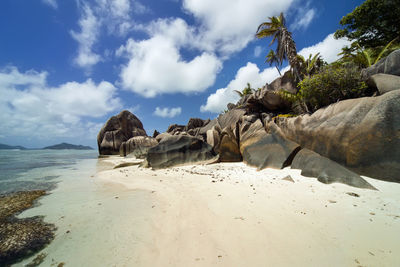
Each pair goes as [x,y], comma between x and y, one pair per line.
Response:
[329,48]
[167,112]
[257,51]
[229,25]
[29,107]
[250,73]
[52,3]
[86,38]
[305,15]
[156,67]
[304,20]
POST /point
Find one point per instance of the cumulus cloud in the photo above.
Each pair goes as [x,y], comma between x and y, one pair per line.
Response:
[155,66]
[228,26]
[89,31]
[250,73]
[29,107]
[329,48]
[167,112]
[52,3]
[114,15]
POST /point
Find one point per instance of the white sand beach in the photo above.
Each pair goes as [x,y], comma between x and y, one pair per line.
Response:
[225,214]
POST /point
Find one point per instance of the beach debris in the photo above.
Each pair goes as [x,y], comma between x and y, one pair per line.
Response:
[37,260]
[372,213]
[332,201]
[353,194]
[288,178]
[239,218]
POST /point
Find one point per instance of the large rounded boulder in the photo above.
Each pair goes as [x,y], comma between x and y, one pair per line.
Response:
[118,129]
[362,134]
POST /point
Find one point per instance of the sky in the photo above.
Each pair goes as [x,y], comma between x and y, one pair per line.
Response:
[67,66]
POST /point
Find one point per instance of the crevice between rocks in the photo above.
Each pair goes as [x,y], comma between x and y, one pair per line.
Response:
[289,160]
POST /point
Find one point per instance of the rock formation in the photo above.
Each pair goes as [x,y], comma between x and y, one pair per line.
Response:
[363,134]
[137,146]
[117,130]
[178,149]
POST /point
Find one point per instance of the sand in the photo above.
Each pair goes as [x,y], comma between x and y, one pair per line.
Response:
[225,214]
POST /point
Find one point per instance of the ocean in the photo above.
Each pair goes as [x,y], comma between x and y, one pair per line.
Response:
[37,169]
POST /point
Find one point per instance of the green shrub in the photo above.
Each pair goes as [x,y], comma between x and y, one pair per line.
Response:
[334,83]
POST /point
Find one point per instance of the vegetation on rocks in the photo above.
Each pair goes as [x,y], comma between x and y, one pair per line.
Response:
[334,83]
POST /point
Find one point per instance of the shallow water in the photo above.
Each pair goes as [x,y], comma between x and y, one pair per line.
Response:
[88,214]
[37,169]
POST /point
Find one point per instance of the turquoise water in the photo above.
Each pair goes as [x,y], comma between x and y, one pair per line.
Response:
[36,169]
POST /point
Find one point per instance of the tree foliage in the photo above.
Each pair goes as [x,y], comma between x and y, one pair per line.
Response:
[366,57]
[334,83]
[311,65]
[246,91]
[374,23]
[286,47]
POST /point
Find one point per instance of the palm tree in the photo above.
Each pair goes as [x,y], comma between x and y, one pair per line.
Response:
[286,47]
[311,65]
[246,91]
[273,59]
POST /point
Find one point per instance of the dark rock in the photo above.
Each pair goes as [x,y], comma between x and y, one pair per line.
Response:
[176,150]
[203,130]
[388,65]
[325,170]
[384,82]
[286,82]
[155,133]
[230,106]
[117,130]
[137,146]
[174,128]
[21,238]
[195,123]
[271,151]
[228,148]
[251,131]
[362,134]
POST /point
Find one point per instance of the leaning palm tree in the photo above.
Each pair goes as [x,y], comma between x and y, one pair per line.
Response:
[286,47]
[273,59]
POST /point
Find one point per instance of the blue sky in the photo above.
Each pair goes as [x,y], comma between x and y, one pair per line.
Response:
[67,66]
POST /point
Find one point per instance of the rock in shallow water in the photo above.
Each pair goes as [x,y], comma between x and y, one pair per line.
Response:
[20,238]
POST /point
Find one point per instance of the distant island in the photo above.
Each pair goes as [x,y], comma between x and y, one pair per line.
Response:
[68,146]
[3,146]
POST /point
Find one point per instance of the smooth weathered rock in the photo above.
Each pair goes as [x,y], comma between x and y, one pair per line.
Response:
[137,146]
[117,130]
[230,118]
[388,65]
[271,151]
[21,238]
[194,123]
[214,137]
[161,136]
[177,150]
[228,148]
[384,82]
[325,170]
[251,131]
[285,82]
[362,134]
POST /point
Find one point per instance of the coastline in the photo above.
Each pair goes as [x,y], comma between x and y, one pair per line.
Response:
[225,214]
